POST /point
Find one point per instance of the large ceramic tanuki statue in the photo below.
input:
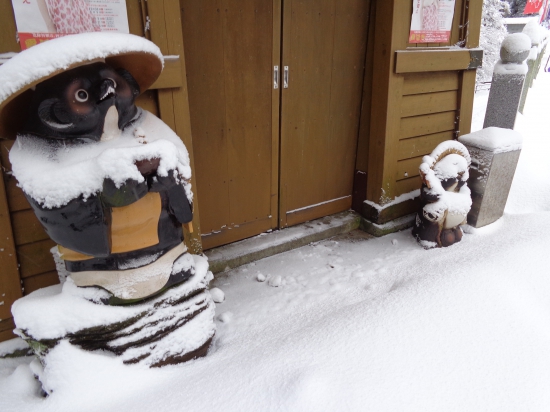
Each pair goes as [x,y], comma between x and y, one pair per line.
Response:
[124,236]
[108,181]
[445,196]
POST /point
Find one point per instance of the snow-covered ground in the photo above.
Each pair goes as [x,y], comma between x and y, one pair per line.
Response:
[359,324]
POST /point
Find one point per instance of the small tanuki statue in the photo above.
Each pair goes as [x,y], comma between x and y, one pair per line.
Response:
[109,182]
[444,195]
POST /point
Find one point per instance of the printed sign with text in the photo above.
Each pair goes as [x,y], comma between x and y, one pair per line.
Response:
[41,20]
[431,21]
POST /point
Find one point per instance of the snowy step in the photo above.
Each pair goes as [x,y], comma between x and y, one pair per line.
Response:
[269,244]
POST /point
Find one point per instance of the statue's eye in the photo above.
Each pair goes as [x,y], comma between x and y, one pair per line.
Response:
[81,95]
[113,80]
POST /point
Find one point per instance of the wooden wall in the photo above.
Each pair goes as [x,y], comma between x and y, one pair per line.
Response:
[421,95]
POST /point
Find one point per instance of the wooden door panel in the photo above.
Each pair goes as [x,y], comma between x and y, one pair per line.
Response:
[229,61]
[247,53]
[324,46]
[206,87]
[351,24]
[308,28]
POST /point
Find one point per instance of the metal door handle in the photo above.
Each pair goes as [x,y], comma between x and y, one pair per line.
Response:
[285,77]
[275,77]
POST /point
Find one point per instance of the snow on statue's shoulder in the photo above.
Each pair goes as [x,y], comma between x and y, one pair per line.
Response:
[494,139]
[55,177]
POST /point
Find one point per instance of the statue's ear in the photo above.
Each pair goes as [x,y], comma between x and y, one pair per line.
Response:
[125,74]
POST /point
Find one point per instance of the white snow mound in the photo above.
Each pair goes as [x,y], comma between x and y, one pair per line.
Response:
[494,139]
[54,178]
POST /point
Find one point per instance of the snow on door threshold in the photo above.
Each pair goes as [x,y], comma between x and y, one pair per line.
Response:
[269,244]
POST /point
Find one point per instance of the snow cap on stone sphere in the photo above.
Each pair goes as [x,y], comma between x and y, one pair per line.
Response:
[515,48]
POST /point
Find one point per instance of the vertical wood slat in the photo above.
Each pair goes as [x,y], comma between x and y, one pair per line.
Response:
[234,114]
[174,103]
[275,112]
[10,284]
[361,162]
[247,38]
[8,39]
[457,21]
[324,46]
[392,26]
[307,50]
[348,74]
[285,34]
[472,20]
[206,82]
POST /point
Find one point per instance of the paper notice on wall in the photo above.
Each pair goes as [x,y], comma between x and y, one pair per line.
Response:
[41,20]
[431,21]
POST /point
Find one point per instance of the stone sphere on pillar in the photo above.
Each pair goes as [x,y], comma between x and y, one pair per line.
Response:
[515,48]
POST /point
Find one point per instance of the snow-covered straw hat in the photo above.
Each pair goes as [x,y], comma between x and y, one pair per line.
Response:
[142,58]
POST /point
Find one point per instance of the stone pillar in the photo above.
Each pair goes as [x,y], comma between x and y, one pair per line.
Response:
[495,154]
[534,32]
[508,82]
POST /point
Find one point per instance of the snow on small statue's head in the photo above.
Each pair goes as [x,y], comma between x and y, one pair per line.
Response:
[88,103]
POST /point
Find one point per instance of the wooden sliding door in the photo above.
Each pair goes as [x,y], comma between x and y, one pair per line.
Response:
[324,44]
[255,170]
[230,48]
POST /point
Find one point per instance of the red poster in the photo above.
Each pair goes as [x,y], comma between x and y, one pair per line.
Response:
[533,6]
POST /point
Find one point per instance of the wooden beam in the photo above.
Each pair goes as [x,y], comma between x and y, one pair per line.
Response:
[392,23]
[415,61]
[472,17]
[166,32]
[10,282]
[473,22]
[362,159]
[8,38]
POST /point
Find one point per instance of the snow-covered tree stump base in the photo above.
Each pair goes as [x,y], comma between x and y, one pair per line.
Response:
[171,328]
